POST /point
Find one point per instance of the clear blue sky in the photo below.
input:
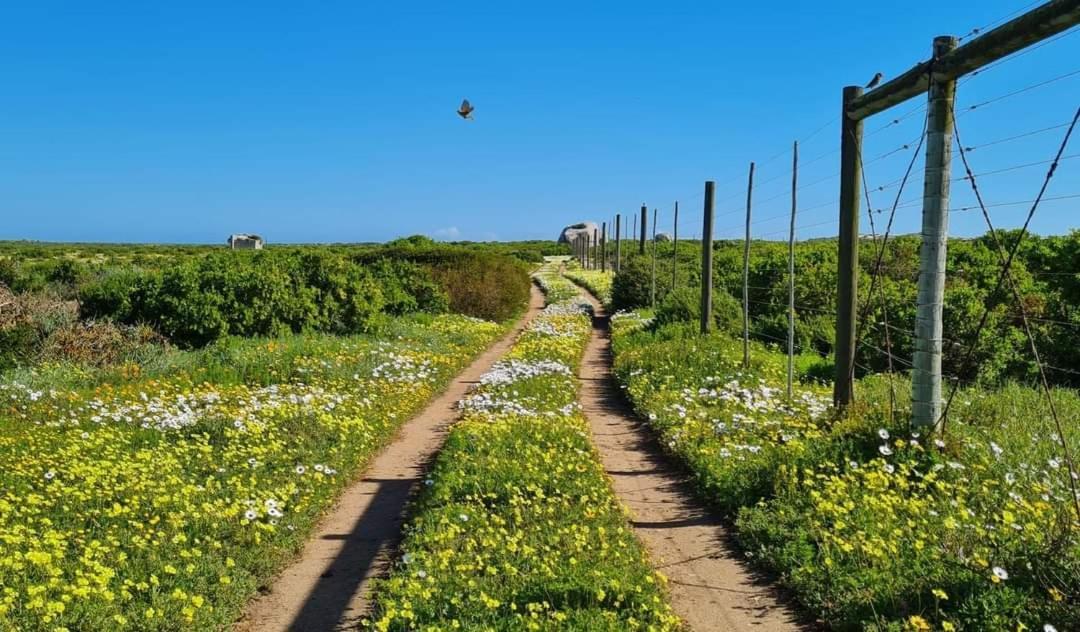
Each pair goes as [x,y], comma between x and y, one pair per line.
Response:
[334,121]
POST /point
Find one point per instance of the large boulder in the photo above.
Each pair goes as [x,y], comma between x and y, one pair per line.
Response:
[663,236]
[573,231]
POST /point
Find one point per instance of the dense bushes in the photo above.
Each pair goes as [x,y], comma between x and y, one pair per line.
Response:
[1044,271]
[261,293]
[194,295]
[684,305]
[477,282]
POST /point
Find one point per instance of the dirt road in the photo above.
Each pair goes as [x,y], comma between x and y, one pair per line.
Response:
[711,587]
[326,587]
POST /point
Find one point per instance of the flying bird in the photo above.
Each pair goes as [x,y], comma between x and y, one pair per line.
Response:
[874,82]
[466,110]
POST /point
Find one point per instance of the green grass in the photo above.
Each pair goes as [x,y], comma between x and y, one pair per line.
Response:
[869,532]
[517,527]
[596,281]
[124,493]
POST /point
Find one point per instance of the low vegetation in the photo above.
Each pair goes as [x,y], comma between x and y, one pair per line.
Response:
[873,524]
[159,497]
[596,281]
[1045,271]
[193,296]
[517,527]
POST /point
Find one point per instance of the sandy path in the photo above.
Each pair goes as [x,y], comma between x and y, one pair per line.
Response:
[326,587]
[711,587]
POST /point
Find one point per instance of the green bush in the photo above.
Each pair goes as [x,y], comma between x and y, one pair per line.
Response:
[480,283]
[110,296]
[18,345]
[267,293]
[1044,271]
[684,305]
[407,288]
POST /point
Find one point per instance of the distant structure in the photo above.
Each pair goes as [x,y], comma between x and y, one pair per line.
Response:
[663,236]
[573,231]
[241,241]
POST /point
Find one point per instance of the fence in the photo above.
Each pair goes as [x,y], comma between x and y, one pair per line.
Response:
[954,63]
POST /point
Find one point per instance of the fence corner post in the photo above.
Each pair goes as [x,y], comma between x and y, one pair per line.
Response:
[848,260]
[926,404]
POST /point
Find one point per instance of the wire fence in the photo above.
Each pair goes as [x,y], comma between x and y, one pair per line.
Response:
[1030,94]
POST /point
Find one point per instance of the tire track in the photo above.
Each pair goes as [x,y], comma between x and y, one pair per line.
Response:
[327,587]
[711,587]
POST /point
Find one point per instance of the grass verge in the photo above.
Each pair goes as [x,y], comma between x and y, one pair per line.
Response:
[161,497]
[517,527]
[872,524]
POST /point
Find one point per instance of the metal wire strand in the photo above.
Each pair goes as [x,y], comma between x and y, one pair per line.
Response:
[1007,258]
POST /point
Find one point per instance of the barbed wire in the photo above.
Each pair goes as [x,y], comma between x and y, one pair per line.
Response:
[884,242]
[971,108]
[979,30]
[1017,137]
[1021,53]
[1007,257]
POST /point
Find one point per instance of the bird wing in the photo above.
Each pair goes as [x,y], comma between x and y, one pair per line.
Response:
[466,106]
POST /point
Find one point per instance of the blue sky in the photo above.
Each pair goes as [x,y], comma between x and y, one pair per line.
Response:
[334,121]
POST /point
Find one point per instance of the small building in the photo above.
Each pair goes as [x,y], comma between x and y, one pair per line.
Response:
[241,241]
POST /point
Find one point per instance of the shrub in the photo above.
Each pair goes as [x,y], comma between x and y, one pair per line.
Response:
[110,295]
[684,305]
[490,287]
[101,344]
[407,287]
[478,283]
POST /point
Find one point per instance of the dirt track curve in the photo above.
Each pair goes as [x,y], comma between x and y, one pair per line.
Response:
[711,587]
[326,587]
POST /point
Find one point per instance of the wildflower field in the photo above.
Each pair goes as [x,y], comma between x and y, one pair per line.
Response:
[160,496]
[596,281]
[517,527]
[872,525]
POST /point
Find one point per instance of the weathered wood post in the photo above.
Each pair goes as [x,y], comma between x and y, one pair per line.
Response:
[791,273]
[707,258]
[848,260]
[675,249]
[652,286]
[926,404]
[746,273]
[603,247]
[644,229]
[618,242]
[595,247]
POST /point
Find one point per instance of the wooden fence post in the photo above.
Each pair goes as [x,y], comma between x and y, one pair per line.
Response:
[707,258]
[618,242]
[746,273]
[595,246]
[603,247]
[926,406]
[791,274]
[652,286]
[675,249]
[644,229]
[847,290]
